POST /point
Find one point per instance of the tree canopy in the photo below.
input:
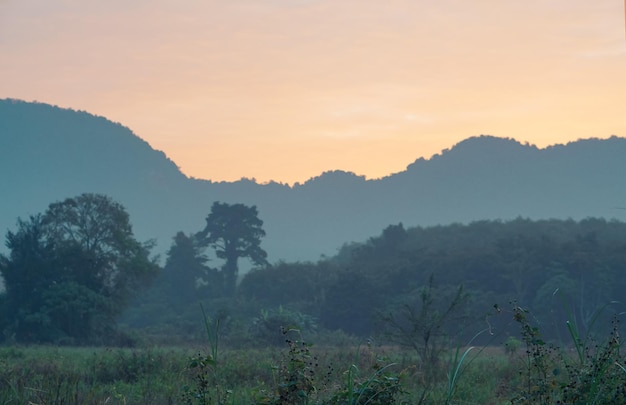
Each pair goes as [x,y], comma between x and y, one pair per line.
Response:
[234,231]
[540,264]
[72,270]
[186,276]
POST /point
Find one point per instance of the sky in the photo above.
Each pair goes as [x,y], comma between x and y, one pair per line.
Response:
[284,90]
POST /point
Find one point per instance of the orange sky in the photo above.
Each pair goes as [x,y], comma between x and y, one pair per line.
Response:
[287,89]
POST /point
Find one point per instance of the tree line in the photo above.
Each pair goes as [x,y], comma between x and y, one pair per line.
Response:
[558,269]
[75,272]
[74,269]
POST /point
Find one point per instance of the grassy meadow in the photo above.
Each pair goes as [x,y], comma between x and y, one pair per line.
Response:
[590,369]
[161,375]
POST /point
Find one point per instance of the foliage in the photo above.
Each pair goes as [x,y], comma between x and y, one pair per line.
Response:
[298,381]
[299,284]
[350,303]
[234,231]
[424,326]
[512,345]
[296,378]
[209,387]
[495,261]
[71,271]
[186,278]
[594,374]
[273,326]
[53,375]
[380,388]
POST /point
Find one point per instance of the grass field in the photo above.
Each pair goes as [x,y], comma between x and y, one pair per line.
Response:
[527,371]
[160,375]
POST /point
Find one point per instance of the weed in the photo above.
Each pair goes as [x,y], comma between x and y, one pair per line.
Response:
[594,374]
[297,376]
[380,388]
[511,346]
[207,389]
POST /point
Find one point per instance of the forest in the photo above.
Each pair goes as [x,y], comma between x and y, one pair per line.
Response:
[553,267]
[75,276]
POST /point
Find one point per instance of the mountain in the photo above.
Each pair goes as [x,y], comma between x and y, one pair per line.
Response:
[48,154]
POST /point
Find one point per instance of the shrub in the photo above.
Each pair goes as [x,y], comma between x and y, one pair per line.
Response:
[594,374]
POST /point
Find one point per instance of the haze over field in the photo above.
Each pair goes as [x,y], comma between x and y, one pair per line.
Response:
[287,89]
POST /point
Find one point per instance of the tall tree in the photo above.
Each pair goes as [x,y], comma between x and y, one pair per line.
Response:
[27,272]
[234,231]
[72,270]
[186,274]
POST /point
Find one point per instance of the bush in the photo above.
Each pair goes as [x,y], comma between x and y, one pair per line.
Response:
[593,374]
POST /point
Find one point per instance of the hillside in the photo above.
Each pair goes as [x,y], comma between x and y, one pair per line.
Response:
[48,153]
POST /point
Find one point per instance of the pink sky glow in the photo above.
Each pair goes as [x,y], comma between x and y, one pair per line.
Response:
[286,89]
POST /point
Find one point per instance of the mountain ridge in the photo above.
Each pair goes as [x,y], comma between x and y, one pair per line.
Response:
[52,153]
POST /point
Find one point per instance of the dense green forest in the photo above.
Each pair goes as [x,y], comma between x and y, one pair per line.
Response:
[75,273]
[558,269]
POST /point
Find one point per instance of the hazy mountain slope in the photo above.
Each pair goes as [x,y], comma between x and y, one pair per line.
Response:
[47,154]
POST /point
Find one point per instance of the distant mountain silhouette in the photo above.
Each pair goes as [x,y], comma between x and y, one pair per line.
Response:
[48,153]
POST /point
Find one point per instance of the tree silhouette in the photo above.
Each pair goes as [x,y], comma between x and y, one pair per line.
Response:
[72,270]
[234,231]
[185,271]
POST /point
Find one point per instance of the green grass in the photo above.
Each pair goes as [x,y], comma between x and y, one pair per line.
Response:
[65,375]
[90,376]
[307,374]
